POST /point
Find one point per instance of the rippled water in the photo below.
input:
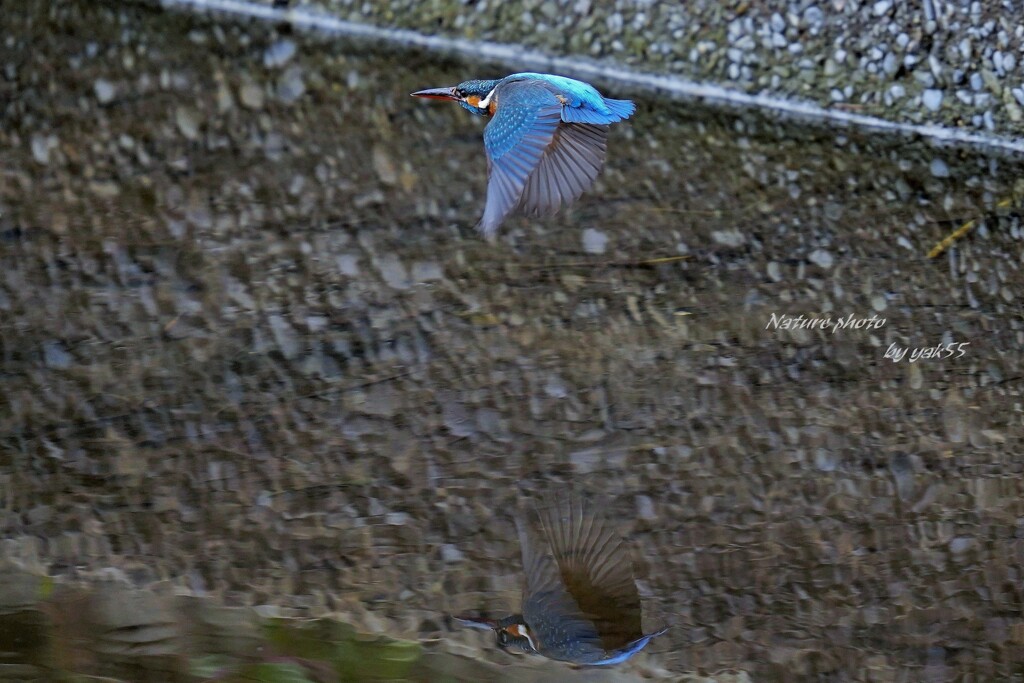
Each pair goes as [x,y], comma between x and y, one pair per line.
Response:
[252,350]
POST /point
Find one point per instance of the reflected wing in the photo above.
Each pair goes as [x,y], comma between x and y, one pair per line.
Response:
[597,569]
[586,572]
[550,610]
[526,117]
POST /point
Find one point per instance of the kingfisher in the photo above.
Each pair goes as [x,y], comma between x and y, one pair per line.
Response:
[545,142]
[580,601]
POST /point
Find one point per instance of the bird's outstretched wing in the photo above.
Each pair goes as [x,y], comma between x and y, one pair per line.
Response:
[567,169]
[535,161]
[582,572]
[560,628]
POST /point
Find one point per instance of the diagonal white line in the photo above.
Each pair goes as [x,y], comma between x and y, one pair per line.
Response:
[676,87]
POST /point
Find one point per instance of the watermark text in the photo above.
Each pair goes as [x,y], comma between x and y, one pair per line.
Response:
[941,351]
[802,322]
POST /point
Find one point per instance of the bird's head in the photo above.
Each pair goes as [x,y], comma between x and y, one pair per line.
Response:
[512,633]
[472,95]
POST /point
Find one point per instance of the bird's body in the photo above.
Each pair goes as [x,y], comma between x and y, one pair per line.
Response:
[545,143]
[580,601]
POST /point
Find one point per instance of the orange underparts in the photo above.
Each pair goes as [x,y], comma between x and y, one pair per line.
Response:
[494,106]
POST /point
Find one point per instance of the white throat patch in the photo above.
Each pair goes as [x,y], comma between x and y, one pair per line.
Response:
[485,103]
[524,630]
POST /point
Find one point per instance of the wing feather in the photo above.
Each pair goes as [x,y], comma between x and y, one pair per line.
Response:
[582,571]
[549,608]
[567,169]
[526,118]
[541,153]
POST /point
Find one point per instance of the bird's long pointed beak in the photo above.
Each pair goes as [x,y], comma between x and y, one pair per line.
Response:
[437,93]
[473,622]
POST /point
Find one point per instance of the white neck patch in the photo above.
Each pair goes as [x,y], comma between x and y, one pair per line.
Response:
[485,103]
[522,628]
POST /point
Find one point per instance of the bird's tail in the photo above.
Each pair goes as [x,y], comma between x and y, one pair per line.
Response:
[659,632]
[621,108]
[617,110]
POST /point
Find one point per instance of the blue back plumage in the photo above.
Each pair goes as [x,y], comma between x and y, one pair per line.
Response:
[622,654]
[585,104]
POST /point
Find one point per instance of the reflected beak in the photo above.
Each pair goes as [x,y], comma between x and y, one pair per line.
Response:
[437,94]
[474,622]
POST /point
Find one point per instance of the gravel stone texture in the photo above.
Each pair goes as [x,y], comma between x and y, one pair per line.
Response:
[252,348]
[950,62]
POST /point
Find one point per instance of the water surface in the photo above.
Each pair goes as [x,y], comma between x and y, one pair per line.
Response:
[253,350]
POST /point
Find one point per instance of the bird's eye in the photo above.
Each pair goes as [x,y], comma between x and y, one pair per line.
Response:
[503,638]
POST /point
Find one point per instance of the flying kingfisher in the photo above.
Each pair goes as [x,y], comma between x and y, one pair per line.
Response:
[545,143]
[580,601]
